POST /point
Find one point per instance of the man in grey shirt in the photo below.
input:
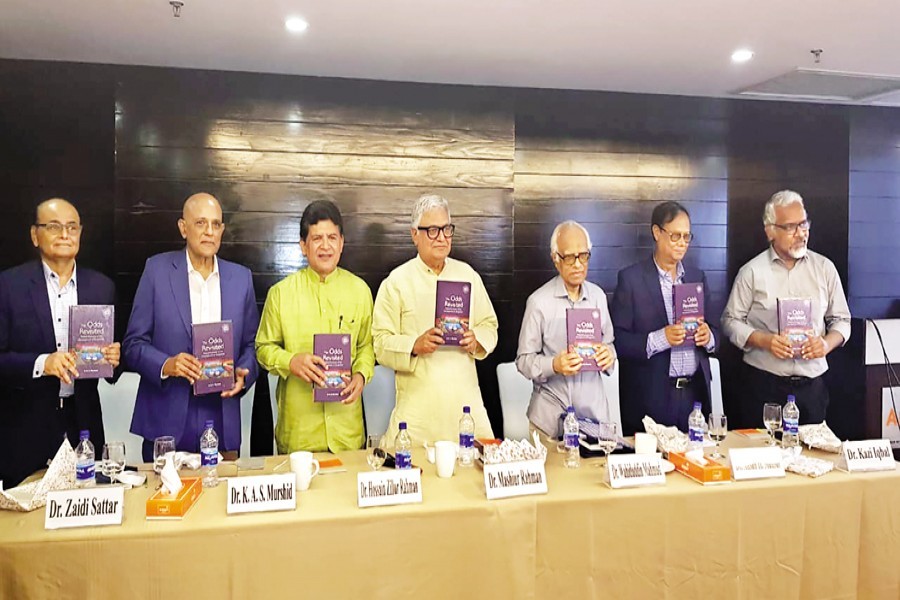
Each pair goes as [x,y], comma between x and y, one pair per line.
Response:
[544,355]
[787,269]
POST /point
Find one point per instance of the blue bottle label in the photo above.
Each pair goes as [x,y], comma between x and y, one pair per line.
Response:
[696,435]
[209,457]
[571,440]
[403,459]
[84,471]
[791,426]
[466,440]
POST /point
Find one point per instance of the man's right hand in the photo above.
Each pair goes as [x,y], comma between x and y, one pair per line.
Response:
[428,342]
[780,346]
[567,363]
[61,365]
[309,367]
[183,365]
[675,334]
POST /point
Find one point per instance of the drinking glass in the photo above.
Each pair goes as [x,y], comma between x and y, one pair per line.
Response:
[772,421]
[113,459]
[374,451]
[718,428]
[607,438]
[162,446]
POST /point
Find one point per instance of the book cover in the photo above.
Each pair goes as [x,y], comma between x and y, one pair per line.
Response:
[335,350]
[795,321]
[90,330]
[451,311]
[688,306]
[583,335]
[214,348]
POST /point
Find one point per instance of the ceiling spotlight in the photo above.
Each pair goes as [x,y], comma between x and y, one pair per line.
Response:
[176,7]
[741,56]
[296,25]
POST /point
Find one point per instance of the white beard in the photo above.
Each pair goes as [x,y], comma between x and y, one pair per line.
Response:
[798,253]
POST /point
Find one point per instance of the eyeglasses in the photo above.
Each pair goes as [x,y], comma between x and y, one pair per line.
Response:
[434,231]
[791,228]
[677,236]
[203,224]
[56,228]
[569,259]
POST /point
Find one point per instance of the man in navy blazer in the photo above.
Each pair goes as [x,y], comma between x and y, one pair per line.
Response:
[178,289]
[663,371]
[40,399]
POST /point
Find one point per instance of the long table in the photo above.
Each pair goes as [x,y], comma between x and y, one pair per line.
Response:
[837,536]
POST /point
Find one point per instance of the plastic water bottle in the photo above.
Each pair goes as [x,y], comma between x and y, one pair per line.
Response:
[85,466]
[466,438]
[696,428]
[402,448]
[790,436]
[570,435]
[209,456]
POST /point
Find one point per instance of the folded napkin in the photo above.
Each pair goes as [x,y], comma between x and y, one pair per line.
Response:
[59,476]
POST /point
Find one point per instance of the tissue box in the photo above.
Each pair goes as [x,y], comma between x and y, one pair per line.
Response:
[163,506]
[710,473]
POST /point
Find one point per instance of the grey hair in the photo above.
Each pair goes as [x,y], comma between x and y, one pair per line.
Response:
[425,203]
[782,198]
[554,237]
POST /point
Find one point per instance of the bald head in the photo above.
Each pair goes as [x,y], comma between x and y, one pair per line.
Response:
[201,227]
[54,205]
[197,203]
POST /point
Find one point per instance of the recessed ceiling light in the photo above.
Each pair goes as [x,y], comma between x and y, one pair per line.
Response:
[742,55]
[295,25]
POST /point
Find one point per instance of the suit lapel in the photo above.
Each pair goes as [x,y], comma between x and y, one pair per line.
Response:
[179,279]
[654,291]
[41,302]
[229,310]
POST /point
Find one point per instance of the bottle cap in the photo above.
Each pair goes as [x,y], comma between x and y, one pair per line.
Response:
[791,398]
[402,425]
[570,410]
[209,424]
[467,409]
[696,406]
[85,434]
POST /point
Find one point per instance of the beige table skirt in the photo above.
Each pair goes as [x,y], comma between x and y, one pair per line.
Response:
[837,536]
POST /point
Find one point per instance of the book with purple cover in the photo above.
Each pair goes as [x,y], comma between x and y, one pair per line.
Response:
[335,350]
[214,348]
[91,330]
[583,335]
[795,321]
[451,311]
[688,306]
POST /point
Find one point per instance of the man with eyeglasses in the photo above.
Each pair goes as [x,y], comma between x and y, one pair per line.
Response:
[433,381]
[42,399]
[177,290]
[787,269]
[545,356]
[663,371]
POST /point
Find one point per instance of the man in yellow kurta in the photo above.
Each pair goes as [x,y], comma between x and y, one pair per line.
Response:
[434,381]
[321,298]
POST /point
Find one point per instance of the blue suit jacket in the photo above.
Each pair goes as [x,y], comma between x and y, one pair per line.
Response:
[160,327]
[637,310]
[31,426]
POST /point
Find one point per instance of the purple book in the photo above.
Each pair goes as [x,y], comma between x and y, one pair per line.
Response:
[583,335]
[795,321]
[335,350]
[90,330]
[214,348]
[688,306]
[451,310]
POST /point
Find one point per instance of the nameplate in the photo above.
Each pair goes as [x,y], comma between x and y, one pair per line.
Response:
[393,486]
[88,507]
[262,493]
[523,478]
[755,463]
[634,470]
[867,455]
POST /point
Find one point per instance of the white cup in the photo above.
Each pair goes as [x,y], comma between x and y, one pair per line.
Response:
[445,457]
[305,467]
[644,443]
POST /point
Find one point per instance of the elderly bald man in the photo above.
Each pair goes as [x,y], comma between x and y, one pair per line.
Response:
[41,398]
[177,290]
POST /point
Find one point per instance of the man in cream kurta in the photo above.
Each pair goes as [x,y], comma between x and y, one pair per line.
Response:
[433,381]
[321,298]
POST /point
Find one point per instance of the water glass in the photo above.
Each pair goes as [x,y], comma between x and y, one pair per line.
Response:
[718,428]
[374,451]
[772,421]
[162,446]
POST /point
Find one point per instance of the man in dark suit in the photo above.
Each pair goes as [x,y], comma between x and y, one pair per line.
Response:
[663,371]
[40,399]
[179,289]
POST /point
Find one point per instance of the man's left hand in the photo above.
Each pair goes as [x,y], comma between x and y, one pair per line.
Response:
[113,354]
[814,347]
[354,389]
[604,357]
[240,375]
[469,343]
[702,335]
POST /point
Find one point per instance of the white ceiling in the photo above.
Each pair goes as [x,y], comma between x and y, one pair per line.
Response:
[657,46]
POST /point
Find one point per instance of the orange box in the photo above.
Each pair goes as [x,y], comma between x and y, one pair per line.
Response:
[163,506]
[710,473]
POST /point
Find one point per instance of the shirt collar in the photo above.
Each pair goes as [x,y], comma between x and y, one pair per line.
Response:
[560,291]
[314,277]
[49,275]
[662,273]
[191,269]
